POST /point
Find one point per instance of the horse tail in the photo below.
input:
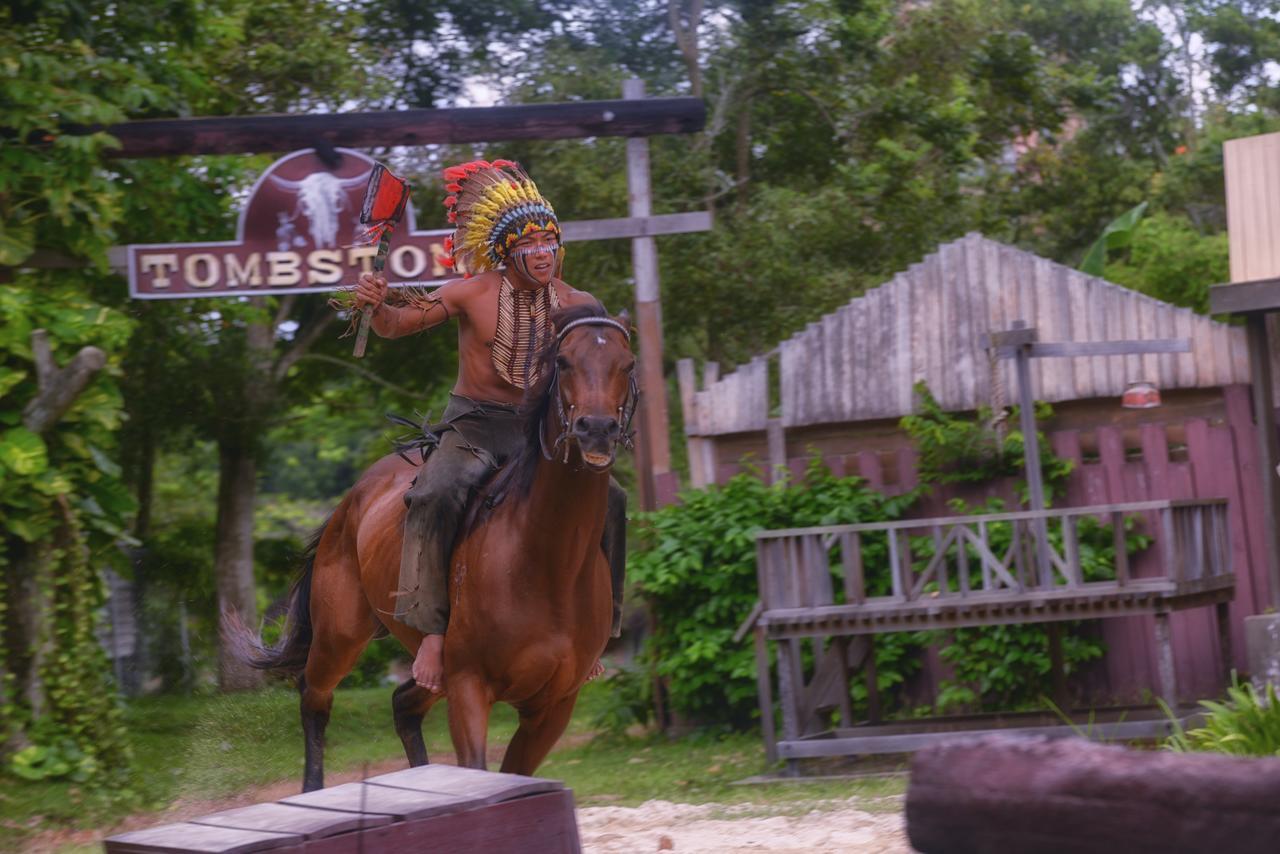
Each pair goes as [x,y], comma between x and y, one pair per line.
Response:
[289,654]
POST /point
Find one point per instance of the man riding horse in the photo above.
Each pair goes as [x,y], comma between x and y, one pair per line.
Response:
[507,240]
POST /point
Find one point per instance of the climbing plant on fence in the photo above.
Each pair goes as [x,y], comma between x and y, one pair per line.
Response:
[696,567]
[698,571]
[62,512]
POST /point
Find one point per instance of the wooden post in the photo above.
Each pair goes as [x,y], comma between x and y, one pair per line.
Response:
[699,477]
[656,454]
[764,691]
[1058,668]
[1031,453]
[1264,414]
[777,450]
[1223,617]
[1165,671]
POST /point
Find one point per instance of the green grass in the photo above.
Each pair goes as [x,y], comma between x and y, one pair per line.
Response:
[209,747]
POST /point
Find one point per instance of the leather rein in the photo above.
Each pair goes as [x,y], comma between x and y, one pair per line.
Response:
[626,412]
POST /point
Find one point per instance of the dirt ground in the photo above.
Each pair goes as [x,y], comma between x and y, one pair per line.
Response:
[786,827]
[828,826]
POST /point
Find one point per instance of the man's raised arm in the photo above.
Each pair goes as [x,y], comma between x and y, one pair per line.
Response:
[395,321]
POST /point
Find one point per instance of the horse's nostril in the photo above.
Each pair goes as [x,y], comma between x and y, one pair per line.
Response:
[596,425]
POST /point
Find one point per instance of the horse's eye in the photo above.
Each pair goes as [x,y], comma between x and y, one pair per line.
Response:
[562,363]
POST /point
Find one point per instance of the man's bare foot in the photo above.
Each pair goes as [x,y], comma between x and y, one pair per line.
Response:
[428,664]
[597,670]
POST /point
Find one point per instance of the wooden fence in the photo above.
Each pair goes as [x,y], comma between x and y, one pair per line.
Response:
[1213,457]
[958,578]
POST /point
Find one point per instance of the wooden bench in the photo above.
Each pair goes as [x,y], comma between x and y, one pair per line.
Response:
[436,808]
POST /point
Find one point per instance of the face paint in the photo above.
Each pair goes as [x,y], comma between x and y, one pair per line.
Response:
[522,257]
[535,249]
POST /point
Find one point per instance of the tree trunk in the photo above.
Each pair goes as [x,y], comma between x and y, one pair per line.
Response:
[233,554]
[684,26]
[26,629]
[743,146]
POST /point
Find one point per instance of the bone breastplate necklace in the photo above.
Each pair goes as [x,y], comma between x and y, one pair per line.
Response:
[524,328]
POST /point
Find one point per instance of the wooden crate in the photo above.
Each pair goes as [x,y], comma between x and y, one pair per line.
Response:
[435,808]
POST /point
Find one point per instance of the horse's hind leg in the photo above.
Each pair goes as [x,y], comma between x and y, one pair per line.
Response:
[537,734]
[409,705]
[342,625]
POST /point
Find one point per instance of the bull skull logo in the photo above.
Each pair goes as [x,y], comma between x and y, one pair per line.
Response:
[321,199]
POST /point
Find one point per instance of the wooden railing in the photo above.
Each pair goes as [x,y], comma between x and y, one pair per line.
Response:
[837,587]
[958,557]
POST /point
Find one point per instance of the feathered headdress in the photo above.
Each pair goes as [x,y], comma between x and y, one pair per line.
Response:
[492,205]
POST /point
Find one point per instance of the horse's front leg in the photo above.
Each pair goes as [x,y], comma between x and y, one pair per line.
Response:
[409,705]
[470,702]
[538,733]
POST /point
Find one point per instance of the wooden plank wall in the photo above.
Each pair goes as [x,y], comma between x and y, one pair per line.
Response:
[1252,171]
[862,361]
[736,403]
[1218,460]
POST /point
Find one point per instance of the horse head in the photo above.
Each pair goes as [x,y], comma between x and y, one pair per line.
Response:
[591,387]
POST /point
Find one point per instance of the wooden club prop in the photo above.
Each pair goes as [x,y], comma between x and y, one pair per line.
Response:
[384,201]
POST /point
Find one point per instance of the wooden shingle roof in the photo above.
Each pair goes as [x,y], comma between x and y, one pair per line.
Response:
[861,361]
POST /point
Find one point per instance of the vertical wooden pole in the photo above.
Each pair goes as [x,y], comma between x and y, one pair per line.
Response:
[1264,414]
[764,691]
[1031,453]
[873,681]
[687,377]
[1166,673]
[655,459]
[1058,667]
[1223,615]
[777,440]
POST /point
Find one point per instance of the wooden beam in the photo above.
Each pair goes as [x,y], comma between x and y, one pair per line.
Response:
[637,226]
[1245,297]
[257,134]
[1110,348]
[1011,794]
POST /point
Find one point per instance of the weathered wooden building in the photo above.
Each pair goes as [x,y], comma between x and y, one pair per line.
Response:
[840,386]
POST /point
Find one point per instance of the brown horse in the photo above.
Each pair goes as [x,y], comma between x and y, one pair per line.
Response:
[529,586]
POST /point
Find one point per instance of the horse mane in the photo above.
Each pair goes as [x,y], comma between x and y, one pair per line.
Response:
[516,477]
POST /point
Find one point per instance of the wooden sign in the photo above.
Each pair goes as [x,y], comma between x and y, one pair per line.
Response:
[1252,167]
[296,234]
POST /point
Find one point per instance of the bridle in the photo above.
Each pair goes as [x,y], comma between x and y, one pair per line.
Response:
[626,411]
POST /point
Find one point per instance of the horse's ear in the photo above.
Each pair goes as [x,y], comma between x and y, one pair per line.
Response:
[624,317]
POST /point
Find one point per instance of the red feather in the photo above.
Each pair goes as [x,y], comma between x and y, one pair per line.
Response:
[450,201]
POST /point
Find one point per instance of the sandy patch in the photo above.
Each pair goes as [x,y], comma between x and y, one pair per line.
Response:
[831,826]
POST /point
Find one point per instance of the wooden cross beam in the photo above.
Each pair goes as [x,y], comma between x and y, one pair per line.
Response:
[258,134]
[1022,344]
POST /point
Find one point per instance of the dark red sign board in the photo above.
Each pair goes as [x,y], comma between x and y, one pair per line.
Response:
[296,235]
